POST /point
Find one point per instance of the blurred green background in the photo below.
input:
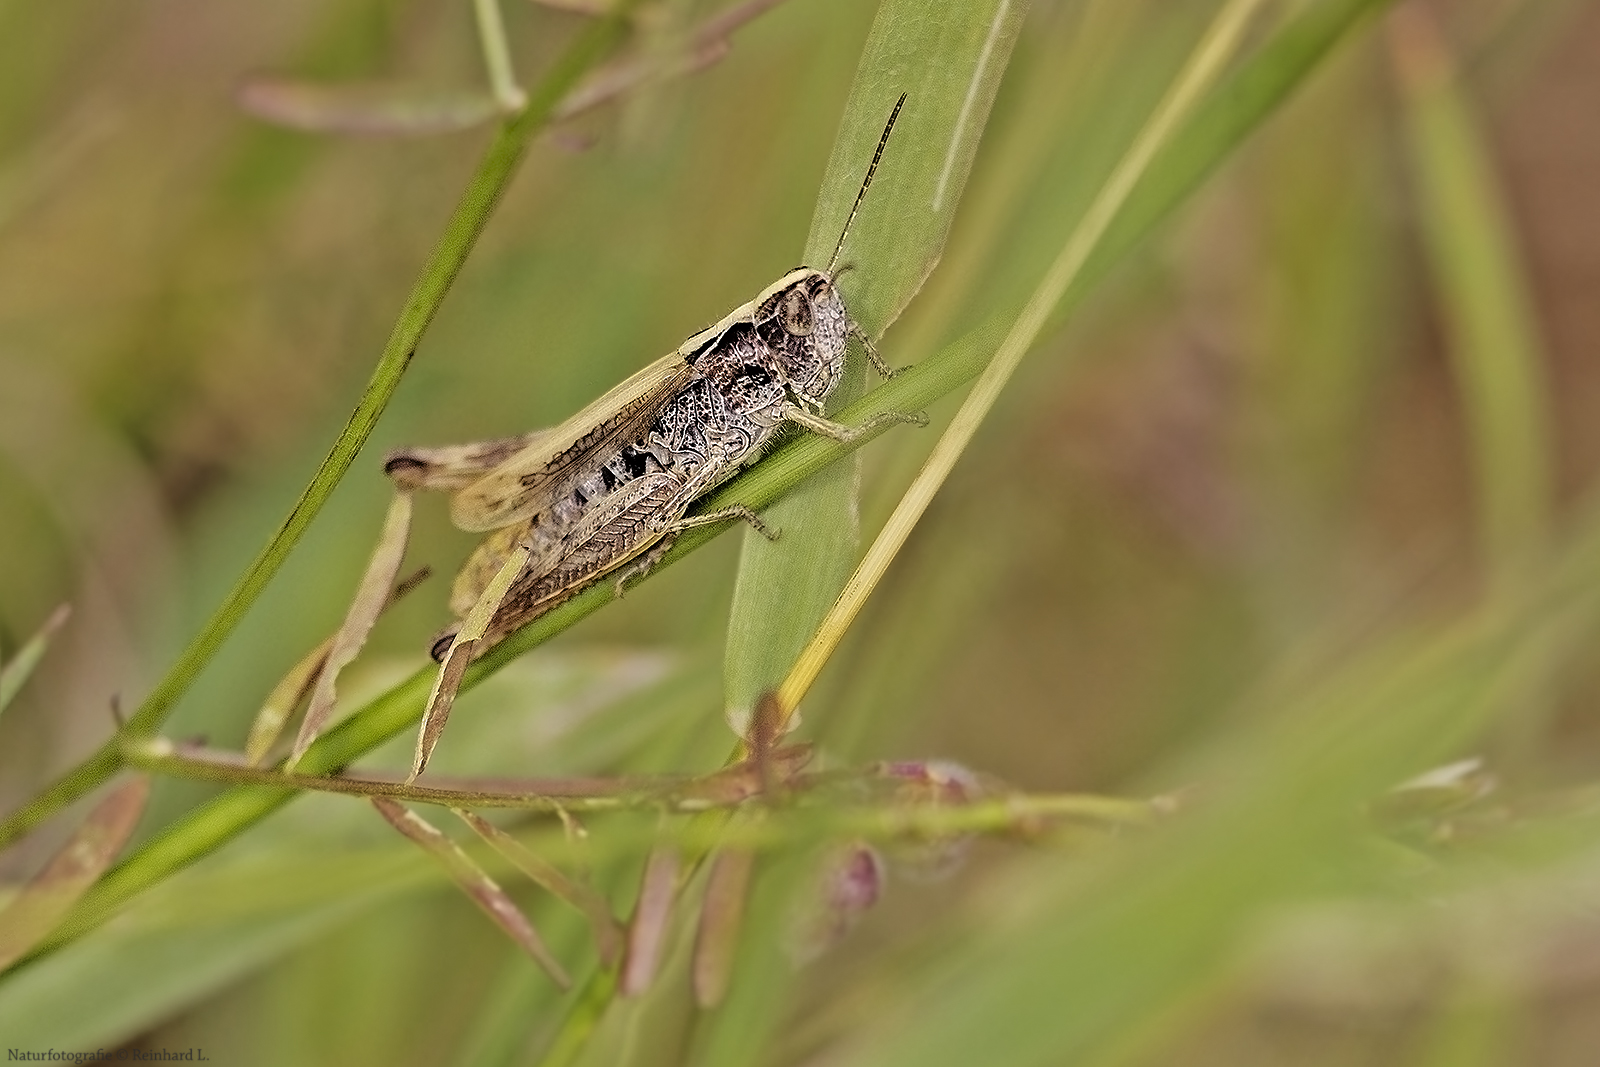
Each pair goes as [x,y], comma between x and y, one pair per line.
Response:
[1293,507]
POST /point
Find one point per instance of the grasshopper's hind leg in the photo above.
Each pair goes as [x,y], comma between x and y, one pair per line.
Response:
[461,651]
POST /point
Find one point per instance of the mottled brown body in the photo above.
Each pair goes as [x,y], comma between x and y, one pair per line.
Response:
[591,505]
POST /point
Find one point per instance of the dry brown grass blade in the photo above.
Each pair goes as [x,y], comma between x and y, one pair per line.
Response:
[277,710]
[475,882]
[704,46]
[372,109]
[407,109]
[72,870]
[607,930]
[279,706]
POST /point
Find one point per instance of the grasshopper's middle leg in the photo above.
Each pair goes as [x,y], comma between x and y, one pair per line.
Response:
[677,505]
[647,562]
[838,431]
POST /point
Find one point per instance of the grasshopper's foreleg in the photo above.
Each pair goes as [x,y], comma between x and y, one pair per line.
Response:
[643,565]
[884,370]
[838,431]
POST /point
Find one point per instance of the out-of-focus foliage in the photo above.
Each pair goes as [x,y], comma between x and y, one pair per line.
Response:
[1294,507]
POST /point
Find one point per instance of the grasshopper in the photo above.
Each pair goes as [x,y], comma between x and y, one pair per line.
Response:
[607,491]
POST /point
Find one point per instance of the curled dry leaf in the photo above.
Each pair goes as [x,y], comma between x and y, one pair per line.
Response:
[475,882]
[279,706]
[72,870]
[277,710]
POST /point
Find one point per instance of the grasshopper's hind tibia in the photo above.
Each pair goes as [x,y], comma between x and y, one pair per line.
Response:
[460,653]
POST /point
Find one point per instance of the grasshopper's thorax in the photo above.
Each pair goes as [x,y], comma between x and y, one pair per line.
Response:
[803,321]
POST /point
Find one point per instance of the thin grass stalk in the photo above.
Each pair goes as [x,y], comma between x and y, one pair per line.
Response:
[483,192]
[1202,69]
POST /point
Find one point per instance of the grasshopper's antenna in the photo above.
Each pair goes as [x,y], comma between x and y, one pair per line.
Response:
[871,169]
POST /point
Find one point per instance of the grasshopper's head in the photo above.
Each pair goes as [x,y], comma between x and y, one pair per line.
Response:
[800,316]
[804,323]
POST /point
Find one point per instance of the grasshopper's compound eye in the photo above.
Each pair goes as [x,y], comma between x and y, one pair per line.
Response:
[795,313]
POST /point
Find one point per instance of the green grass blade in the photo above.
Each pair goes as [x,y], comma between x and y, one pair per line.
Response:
[1095,960]
[1211,54]
[15,673]
[494,173]
[1239,105]
[949,67]
[1487,310]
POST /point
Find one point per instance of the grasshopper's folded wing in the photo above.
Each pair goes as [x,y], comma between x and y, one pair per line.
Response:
[450,468]
[553,461]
